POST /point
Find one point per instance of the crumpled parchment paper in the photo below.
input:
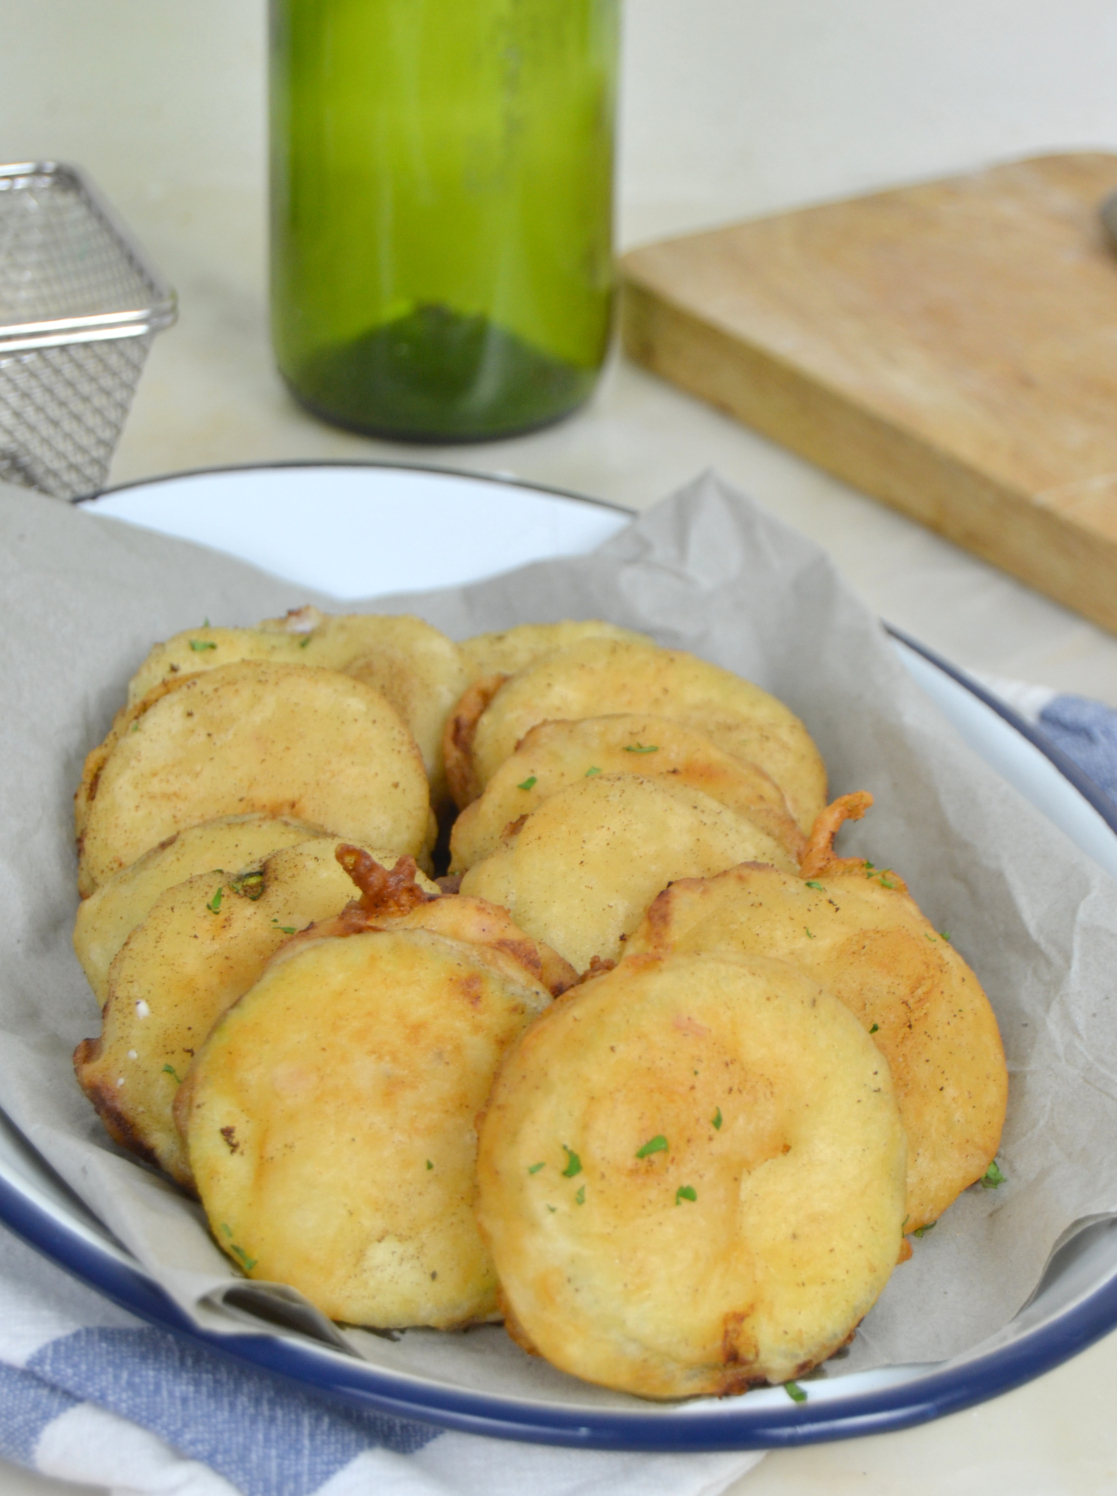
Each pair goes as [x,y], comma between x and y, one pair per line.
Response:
[708,571]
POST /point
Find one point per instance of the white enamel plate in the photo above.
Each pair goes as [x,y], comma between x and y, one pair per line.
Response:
[356,531]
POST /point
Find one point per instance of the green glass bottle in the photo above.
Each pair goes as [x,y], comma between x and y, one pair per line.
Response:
[441,210]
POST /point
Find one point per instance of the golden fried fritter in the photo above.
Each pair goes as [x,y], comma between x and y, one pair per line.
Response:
[330,1120]
[201,945]
[457,739]
[229,844]
[556,754]
[511,649]
[581,870]
[691,1177]
[598,676]
[271,738]
[855,928]
[399,899]
[414,664]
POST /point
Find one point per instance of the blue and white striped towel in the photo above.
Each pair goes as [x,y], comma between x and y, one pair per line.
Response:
[1085,730]
[90,1394]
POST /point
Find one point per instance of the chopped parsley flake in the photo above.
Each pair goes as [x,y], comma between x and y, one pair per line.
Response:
[658,1144]
[884,883]
[135,727]
[812,884]
[534,1168]
[716,1120]
[869,864]
[198,645]
[573,1163]
[552,1208]
[944,935]
[992,1177]
[228,1230]
[874,1028]
[685,1192]
[248,1263]
[170,1070]
[642,748]
[794,1391]
[580,1197]
[809,935]
[529,783]
[214,905]
[591,772]
[305,640]
[248,885]
[286,929]
[923,1230]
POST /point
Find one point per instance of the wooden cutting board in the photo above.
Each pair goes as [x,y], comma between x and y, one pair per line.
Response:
[950,348]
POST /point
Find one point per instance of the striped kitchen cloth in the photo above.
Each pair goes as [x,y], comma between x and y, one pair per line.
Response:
[1084,729]
[89,1393]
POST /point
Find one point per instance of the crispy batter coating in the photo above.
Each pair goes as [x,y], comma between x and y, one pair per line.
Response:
[228,844]
[457,738]
[415,665]
[330,1120]
[201,945]
[614,675]
[691,1177]
[581,870]
[511,649]
[556,754]
[207,648]
[271,738]
[856,929]
[401,898]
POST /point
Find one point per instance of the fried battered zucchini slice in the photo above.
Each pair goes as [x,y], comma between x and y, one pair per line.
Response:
[556,754]
[691,1177]
[330,1120]
[226,845]
[398,899]
[855,928]
[509,650]
[598,676]
[201,945]
[415,665]
[208,648]
[582,869]
[252,737]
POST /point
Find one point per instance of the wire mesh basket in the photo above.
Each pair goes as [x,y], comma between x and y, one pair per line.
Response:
[79,307]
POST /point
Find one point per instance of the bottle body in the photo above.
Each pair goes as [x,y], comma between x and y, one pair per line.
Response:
[441,209]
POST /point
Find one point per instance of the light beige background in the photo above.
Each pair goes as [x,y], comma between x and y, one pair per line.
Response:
[731,108]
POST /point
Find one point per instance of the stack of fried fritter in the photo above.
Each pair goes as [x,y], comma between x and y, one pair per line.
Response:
[691,1173]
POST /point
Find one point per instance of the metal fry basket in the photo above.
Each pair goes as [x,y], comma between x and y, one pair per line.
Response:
[79,306]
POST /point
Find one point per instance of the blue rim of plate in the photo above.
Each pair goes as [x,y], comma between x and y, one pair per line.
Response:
[667,1428]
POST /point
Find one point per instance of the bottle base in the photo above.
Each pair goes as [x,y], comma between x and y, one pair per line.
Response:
[438,377]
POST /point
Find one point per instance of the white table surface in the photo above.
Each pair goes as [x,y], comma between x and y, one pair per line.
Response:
[729,111]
